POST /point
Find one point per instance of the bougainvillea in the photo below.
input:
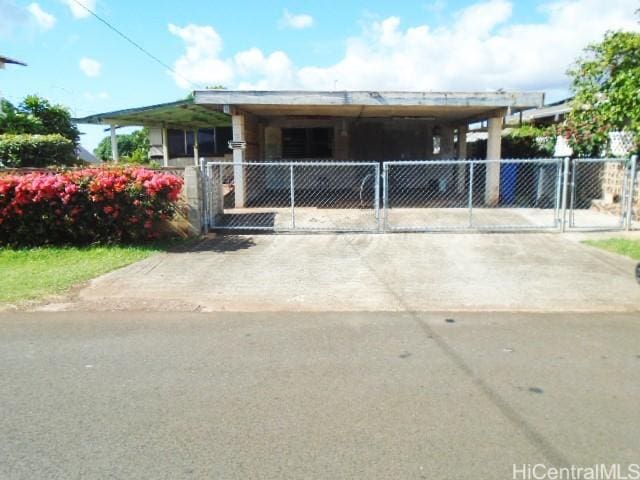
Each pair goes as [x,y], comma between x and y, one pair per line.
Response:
[95,205]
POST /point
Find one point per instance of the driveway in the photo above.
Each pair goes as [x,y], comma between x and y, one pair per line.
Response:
[395,272]
[308,395]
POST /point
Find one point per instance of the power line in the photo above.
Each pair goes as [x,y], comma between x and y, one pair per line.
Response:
[135,44]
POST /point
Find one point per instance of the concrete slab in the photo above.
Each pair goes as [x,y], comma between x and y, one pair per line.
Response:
[393,272]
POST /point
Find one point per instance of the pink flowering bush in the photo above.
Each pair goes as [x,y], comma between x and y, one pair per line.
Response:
[93,205]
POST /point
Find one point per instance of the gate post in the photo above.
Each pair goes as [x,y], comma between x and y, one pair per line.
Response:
[195,199]
[632,188]
[385,195]
[376,196]
[565,186]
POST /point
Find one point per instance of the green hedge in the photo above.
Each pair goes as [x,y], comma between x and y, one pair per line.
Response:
[27,150]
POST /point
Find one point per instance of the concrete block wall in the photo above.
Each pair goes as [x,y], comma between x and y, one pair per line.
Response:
[613,182]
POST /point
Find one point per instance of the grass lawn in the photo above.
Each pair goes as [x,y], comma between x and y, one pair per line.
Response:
[623,246]
[27,274]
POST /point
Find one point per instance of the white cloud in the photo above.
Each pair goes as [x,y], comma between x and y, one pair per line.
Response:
[45,20]
[90,66]
[297,21]
[77,10]
[481,49]
[200,63]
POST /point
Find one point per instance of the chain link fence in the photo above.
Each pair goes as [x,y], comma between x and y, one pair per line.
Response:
[472,195]
[425,195]
[299,196]
[599,195]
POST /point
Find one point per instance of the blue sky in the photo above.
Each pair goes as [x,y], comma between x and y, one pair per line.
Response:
[406,45]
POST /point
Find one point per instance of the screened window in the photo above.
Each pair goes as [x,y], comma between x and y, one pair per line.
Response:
[307,142]
[211,141]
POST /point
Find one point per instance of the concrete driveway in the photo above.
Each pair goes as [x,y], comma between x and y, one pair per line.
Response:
[395,272]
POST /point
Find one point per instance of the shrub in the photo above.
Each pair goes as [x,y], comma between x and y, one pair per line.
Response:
[95,205]
[26,150]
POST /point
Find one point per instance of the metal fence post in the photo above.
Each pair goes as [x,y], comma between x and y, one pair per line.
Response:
[385,195]
[632,187]
[377,196]
[470,200]
[293,208]
[565,186]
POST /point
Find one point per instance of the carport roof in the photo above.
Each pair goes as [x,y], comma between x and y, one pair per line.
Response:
[448,106]
[210,108]
[180,114]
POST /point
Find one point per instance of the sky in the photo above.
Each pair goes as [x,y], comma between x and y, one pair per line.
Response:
[432,45]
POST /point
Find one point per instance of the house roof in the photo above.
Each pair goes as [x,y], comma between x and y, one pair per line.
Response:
[448,106]
[4,60]
[551,110]
[210,108]
[180,114]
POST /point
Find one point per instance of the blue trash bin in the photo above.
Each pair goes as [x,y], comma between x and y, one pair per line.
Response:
[508,182]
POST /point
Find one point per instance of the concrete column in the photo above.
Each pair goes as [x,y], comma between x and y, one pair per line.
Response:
[447,146]
[114,145]
[494,145]
[237,124]
[193,193]
[462,155]
[196,148]
[165,147]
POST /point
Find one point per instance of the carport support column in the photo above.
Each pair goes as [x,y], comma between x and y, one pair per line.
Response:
[494,146]
[196,148]
[165,147]
[114,145]
[238,145]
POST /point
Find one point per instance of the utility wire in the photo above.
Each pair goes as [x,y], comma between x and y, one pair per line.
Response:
[135,44]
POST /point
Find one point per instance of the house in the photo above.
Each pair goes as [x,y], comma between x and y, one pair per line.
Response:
[349,126]
[9,61]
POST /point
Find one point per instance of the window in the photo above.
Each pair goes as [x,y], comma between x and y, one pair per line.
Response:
[307,142]
[211,141]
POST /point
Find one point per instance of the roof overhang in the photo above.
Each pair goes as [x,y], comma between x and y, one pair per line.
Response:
[446,106]
[6,61]
[181,114]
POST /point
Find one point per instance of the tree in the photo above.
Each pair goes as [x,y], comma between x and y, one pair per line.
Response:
[132,147]
[606,84]
[37,116]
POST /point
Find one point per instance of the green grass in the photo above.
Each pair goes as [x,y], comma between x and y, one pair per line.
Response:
[27,274]
[623,246]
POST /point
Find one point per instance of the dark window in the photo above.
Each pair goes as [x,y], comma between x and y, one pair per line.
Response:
[211,141]
[207,141]
[190,138]
[176,143]
[307,142]
[223,135]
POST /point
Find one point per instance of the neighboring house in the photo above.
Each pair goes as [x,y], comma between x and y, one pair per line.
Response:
[9,61]
[86,156]
[272,126]
[549,114]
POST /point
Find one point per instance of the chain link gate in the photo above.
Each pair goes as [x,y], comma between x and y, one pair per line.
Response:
[323,196]
[425,195]
[450,195]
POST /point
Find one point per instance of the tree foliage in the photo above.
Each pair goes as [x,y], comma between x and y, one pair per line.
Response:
[37,116]
[606,84]
[132,147]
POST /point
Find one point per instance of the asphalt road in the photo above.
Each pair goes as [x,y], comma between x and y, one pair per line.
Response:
[295,395]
